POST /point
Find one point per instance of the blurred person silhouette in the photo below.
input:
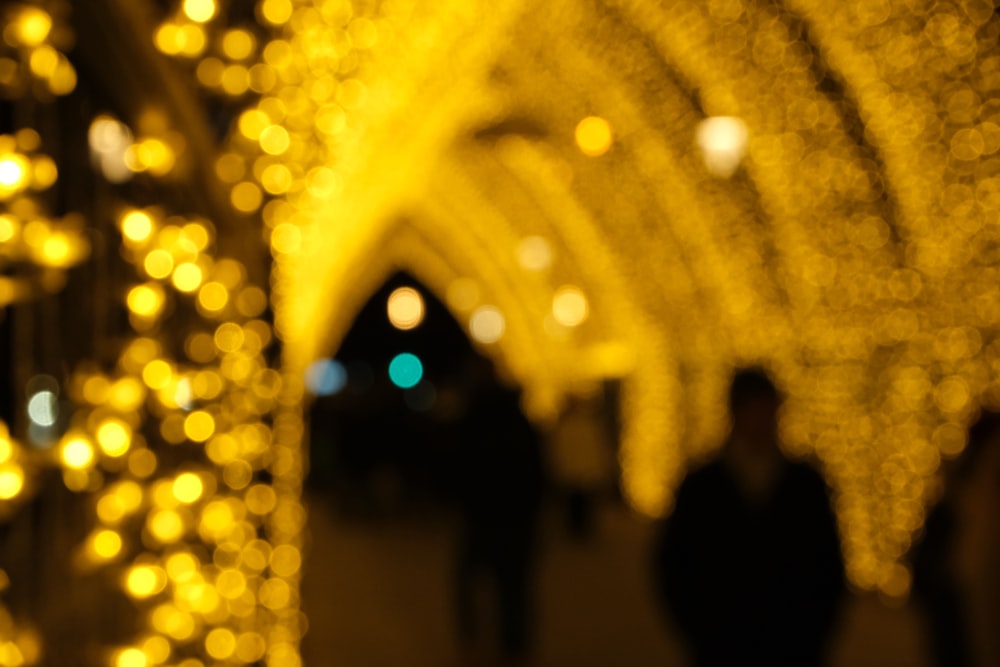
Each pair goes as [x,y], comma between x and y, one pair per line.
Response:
[500,485]
[581,459]
[956,565]
[749,565]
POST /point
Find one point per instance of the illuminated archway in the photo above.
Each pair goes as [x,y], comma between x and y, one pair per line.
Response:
[852,251]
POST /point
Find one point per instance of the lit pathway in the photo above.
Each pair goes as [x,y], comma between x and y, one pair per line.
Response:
[377,596]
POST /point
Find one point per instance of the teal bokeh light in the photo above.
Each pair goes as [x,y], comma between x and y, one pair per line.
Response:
[405,370]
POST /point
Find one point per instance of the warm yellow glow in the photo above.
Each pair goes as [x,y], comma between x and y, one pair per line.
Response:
[159,263]
[32,26]
[106,544]
[8,228]
[157,374]
[213,296]
[569,306]
[146,300]
[131,657]
[188,488]
[274,139]
[534,253]
[246,197]
[187,277]
[137,226]
[44,61]
[11,480]
[77,453]
[238,44]
[593,136]
[126,394]
[277,11]
[405,308]
[220,643]
[487,324]
[114,437]
[143,581]
[200,10]
[44,172]
[13,174]
[199,426]
[166,525]
[152,155]
[723,143]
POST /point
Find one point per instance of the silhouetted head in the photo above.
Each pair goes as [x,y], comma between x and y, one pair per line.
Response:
[754,402]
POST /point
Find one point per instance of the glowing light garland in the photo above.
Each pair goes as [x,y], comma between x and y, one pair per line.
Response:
[553,182]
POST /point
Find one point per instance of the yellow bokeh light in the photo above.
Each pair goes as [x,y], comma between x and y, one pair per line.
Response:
[13,173]
[199,426]
[159,263]
[213,296]
[32,26]
[166,525]
[231,584]
[44,172]
[77,453]
[534,253]
[286,560]
[131,657]
[276,12]
[569,306]
[44,61]
[126,394]
[229,337]
[286,238]
[238,44]
[405,308]
[220,643]
[188,488]
[146,300]
[252,123]
[187,277]
[246,197]
[142,463]
[106,544]
[114,437]
[157,374]
[274,139]
[487,324]
[723,143]
[157,649]
[230,167]
[11,480]
[277,179]
[593,136]
[169,39]
[235,80]
[143,581]
[136,226]
[9,227]
[200,11]
[250,647]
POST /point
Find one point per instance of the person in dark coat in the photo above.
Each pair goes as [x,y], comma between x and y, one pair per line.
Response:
[749,564]
[956,585]
[500,483]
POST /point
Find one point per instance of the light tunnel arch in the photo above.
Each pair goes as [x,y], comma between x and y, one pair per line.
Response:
[437,244]
[845,328]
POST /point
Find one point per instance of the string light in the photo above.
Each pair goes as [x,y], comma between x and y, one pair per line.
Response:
[849,248]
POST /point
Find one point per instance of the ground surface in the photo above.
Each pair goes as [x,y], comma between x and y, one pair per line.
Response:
[377,595]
